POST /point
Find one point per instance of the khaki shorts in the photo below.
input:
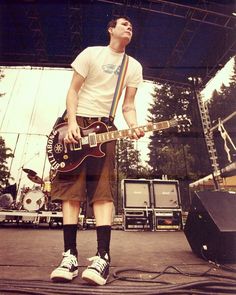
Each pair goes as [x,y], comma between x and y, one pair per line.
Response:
[93,180]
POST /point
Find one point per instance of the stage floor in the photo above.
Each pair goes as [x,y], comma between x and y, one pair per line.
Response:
[28,255]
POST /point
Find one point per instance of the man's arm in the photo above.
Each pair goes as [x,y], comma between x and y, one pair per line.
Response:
[129,112]
[73,131]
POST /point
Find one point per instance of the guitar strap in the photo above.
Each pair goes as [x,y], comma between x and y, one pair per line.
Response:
[116,96]
[119,87]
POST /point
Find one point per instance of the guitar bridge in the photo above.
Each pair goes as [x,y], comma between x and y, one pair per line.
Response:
[92,139]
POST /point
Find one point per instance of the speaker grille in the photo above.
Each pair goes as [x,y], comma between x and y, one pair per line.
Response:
[166,194]
[137,194]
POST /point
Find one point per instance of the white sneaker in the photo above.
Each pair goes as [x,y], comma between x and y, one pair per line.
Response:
[67,270]
[98,272]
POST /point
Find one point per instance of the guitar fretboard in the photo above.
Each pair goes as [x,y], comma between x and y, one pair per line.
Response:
[117,134]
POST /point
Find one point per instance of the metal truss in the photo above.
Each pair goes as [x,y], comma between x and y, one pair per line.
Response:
[176,77]
[34,23]
[197,14]
[183,42]
[229,51]
[193,16]
[208,134]
[75,21]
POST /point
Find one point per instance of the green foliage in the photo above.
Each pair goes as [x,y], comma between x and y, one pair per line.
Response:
[5,153]
[168,101]
[178,155]
[221,106]
[128,158]
[223,102]
[1,77]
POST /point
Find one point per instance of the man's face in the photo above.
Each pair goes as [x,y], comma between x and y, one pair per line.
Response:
[123,30]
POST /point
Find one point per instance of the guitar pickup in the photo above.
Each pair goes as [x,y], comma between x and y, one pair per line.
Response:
[76,146]
[73,146]
[92,139]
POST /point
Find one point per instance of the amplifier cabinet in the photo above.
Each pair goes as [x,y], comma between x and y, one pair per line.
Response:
[136,193]
[166,194]
[167,219]
[138,220]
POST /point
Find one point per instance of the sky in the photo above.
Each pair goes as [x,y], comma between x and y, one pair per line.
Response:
[35,97]
[223,76]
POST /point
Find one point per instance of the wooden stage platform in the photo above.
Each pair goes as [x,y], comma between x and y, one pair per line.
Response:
[143,262]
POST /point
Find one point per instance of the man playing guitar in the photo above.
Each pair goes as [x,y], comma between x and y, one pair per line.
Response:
[89,100]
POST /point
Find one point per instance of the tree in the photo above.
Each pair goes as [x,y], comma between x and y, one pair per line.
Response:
[5,153]
[1,77]
[170,101]
[181,156]
[222,105]
[128,158]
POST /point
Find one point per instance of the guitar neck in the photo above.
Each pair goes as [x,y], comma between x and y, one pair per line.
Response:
[118,134]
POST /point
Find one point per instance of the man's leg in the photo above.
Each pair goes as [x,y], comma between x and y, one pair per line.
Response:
[103,212]
[70,211]
[68,268]
[100,189]
[103,215]
[97,273]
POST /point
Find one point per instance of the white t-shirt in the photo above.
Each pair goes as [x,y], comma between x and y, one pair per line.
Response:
[100,66]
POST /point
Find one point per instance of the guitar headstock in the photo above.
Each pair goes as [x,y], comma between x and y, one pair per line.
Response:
[182,122]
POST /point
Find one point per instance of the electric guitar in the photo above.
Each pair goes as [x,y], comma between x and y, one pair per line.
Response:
[66,157]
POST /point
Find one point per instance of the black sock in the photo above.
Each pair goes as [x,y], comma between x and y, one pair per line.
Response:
[70,233]
[103,240]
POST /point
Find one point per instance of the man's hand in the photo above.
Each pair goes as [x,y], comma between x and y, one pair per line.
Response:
[136,133]
[73,133]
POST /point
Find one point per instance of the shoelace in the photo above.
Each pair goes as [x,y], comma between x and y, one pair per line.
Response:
[68,260]
[98,263]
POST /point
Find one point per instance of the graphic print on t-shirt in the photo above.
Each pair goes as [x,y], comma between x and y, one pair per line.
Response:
[110,69]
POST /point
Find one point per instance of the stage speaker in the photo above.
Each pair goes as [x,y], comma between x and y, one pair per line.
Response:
[136,193]
[166,194]
[211,226]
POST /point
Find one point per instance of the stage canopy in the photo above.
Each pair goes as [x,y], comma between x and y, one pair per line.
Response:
[173,40]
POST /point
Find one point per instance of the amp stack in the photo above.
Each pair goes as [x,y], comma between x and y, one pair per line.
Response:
[151,205]
[137,203]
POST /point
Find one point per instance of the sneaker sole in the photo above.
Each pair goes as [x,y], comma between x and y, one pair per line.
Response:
[62,276]
[93,278]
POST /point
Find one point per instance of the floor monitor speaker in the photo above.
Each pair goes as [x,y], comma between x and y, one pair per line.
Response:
[211,226]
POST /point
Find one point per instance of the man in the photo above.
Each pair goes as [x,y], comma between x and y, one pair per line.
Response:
[88,100]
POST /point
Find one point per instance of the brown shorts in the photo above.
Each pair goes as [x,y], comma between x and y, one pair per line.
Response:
[93,179]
